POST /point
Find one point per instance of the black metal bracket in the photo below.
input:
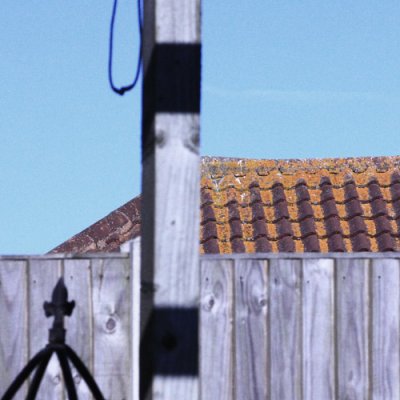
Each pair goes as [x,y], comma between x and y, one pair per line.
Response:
[57,308]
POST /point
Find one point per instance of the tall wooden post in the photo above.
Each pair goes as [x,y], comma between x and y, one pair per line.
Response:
[170,200]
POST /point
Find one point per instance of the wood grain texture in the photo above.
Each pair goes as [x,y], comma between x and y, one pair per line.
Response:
[77,277]
[318,330]
[171,199]
[111,331]
[23,289]
[353,319]
[178,21]
[216,331]
[135,317]
[385,329]
[285,330]
[251,330]
[170,21]
[174,247]
[13,325]
[43,276]
[305,308]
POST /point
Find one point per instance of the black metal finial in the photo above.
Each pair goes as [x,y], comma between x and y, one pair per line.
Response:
[57,308]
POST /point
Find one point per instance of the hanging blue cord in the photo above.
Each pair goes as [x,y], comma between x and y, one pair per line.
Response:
[127,88]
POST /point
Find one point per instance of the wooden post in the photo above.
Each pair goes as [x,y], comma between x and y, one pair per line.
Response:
[170,200]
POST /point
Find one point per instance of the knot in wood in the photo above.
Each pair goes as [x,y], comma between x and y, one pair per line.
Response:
[209,303]
[111,325]
[192,140]
[262,302]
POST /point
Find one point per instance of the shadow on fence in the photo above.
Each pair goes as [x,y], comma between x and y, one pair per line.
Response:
[58,308]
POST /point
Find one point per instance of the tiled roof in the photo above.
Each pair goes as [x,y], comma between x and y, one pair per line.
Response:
[107,234]
[316,205]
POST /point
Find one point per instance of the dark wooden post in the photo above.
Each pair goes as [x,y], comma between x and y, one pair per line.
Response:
[170,203]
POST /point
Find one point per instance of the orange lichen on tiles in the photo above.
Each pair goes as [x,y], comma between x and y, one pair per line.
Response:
[346,216]
[348,204]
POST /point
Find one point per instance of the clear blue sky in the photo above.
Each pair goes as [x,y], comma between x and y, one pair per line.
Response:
[281,79]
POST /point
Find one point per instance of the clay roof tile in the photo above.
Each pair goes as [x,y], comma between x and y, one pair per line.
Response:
[318,205]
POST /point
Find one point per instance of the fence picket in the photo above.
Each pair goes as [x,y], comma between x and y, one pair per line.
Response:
[135,317]
[385,334]
[284,325]
[251,329]
[43,275]
[77,277]
[216,315]
[318,330]
[13,317]
[111,309]
[352,308]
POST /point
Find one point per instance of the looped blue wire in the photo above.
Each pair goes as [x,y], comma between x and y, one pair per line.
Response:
[127,88]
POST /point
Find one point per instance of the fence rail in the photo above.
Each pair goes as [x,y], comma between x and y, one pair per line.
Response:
[288,327]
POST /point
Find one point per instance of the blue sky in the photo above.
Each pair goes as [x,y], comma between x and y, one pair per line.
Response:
[281,79]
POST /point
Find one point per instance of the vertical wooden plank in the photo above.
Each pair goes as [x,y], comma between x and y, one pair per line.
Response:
[43,276]
[77,277]
[318,330]
[251,330]
[111,311]
[353,319]
[385,329]
[13,325]
[216,330]
[171,197]
[285,329]
[135,316]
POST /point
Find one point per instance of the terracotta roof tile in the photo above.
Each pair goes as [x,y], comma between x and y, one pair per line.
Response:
[318,205]
[258,220]
[209,232]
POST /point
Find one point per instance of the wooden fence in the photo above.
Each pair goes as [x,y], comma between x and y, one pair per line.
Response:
[272,326]
[99,329]
[300,328]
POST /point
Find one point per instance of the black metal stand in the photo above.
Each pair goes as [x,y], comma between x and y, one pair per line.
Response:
[58,308]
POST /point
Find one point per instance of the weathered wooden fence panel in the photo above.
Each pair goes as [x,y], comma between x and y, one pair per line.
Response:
[329,328]
[216,328]
[318,310]
[13,317]
[111,306]
[271,327]
[77,274]
[251,329]
[353,321]
[98,330]
[385,329]
[42,276]
[285,329]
